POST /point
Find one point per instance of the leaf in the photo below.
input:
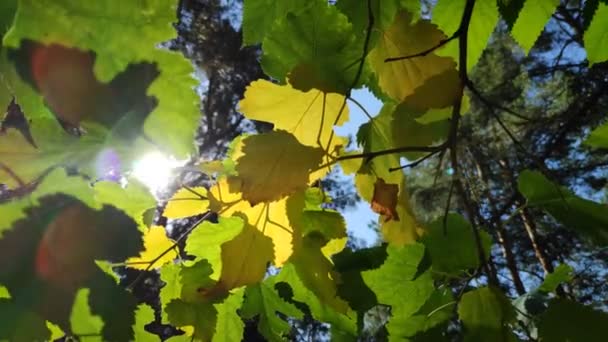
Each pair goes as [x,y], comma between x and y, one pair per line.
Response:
[595,36]
[330,224]
[229,325]
[177,100]
[318,309]
[272,156]
[309,116]
[186,203]
[578,214]
[83,321]
[56,181]
[383,11]
[561,274]
[509,10]
[144,314]
[598,137]
[320,39]
[134,199]
[238,253]
[263,300]
[170,275]
[408,132]
[399,79]
[260,15]
[566,320]
[207,239]
[436,310]
[447,15]
[485,313]
[531,21]
[384,201]
[156,243]
[377,135]
[18,324]
[400,284]
[54,250]
[201,316]
[350,264]
[276,220]
[452,248]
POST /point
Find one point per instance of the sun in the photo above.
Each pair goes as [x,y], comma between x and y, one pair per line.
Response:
[155,170]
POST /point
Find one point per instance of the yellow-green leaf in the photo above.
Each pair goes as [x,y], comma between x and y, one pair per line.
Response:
[156,242]
[187,202]
[275,165]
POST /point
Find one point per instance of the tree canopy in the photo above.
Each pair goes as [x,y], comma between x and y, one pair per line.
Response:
[486,165]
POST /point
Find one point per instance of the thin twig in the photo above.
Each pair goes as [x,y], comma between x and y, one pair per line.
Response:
[414,163]
[469,84]
[174,245]
[427,51]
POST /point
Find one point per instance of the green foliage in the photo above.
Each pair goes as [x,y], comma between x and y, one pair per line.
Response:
[88,90]
[584,216]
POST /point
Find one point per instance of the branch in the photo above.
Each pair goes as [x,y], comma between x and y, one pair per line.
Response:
[427,51]
[414,163]
[469,84]
[174,245]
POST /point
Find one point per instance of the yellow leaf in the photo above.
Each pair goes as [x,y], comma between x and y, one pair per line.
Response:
[155,243]
[186,203]
[309,116]
[271,219]
[275,165]
[400,78]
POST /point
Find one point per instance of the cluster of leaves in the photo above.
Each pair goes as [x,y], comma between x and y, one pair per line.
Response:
[83,103]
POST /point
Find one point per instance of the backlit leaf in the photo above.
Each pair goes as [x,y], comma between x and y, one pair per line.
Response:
[485,313]
[596,36]
[82,320]
[531,21]
[584,216]
[399,78]
[561,274]
[271,157]
[156,243]
[186,203]
[309,116]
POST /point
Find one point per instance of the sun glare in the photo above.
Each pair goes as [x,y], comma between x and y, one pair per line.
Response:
[155,170]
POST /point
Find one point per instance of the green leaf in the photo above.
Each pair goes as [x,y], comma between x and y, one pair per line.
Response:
[330,224]
[18,324]
[144,314]
[263,300]
[437,309]
[485,313]
[170,275]
[401,284]
[135,31]
[321,306]
[377,135]
[567,321]
[317,46]
[206,240]
[599,136]
[562,274]
[596,36]
[134,199]
[531,21]
[581,215]
[407,131]
[260,15]
[55,182]
[83,321]
[452,248]
[7,13]
[201,316]
[384,12]
[509,10]
[447,15]
[229,325]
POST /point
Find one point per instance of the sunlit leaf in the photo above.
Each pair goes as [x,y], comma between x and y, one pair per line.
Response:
[259,15]
[309,116]
[596,35]
[229,325]
[403,38]
[531,20]
[187,202]
[144,315]
[598,137]
[274,156]
[485,313]
[561,274]
[156,243]
[83,321]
